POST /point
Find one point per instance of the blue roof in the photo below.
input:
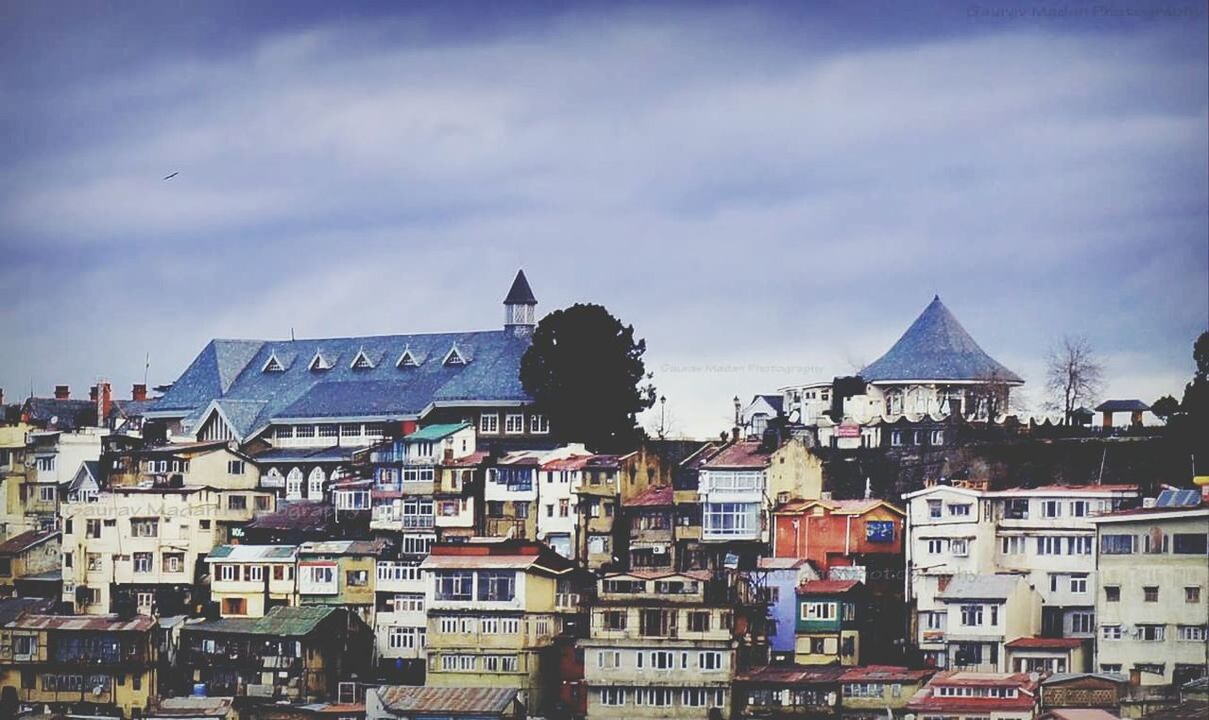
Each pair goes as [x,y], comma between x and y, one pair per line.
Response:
[937,347]
[232,373]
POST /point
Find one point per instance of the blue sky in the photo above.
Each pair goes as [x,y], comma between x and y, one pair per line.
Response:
[769,192]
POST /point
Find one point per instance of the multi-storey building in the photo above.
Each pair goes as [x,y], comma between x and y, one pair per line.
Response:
[53,457]
[984,613]
[405,472]
[780,579]
[13,474]
[830,620]
[739,485]
[493,617]
[80,665]
[250,580]
[458,495]
[1152,599]
[296,654]
[334,395]
[510,496]
[558,501]
[788,693]
[973,696]
[662,644]
[650,522]
[339,573]
[140,543]
[599,500]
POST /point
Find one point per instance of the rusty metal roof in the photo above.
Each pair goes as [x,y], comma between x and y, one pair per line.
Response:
[99,623]
[452,700]
[25,541]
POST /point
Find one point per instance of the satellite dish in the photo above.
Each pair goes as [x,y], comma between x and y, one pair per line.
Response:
[54,419]
[98,690]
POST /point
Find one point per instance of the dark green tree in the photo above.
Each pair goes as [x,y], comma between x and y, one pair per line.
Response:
[1165,407]
[584,371]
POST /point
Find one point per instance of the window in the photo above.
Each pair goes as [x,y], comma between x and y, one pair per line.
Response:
[938,437]
[1013,545]
[95,563]
[304,431]
[613,619]
[818,610]
[612,697]
[263,502]
[1190,544]
[698,621]
[934,508]
[142,562]
[234,606]
[1078,545]
[656,623]
[25,646]
[514,423]
[1051,508]
[1078,584]
[564,507]
[936,546]
[454,585]
[960,547]
[1078,508]
[522,509]
[1154,543]
[608,659]
[1110,632]
[144,527]
[489,423]
[237,502]
[709,660]
[46,464]
[896,439]
[329,431]
[1151,633]
[46,493]
[1192,594]
[497,586]
[1191,633]
[1049,545]
[663,660]
[1117,544]
[539,424]
[1112,593]
[1082,622]
[92,528]
[293,483]
[1150,593]
[235,467]
[971,615]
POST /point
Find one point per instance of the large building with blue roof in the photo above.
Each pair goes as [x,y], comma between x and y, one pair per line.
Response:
[302,398]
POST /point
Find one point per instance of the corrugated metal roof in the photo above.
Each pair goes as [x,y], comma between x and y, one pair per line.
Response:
[826,587]
[342,547]
[653,497]
[25,540]
[936,347]
[107,623]
[454,700]
[239,553]
[283,621]
[435,432]
[743,454]
[980,587]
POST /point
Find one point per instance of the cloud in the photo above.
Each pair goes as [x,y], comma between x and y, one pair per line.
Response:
[744,194]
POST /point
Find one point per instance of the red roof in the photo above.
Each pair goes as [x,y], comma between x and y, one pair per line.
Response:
[826,587]
[792,674]
[575,462]
[1046,643]
[25,540]
[746,454]
[472,460]
[77,623]
[653,497]
[892,673]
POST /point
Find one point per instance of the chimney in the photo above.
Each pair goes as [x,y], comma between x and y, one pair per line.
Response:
[62,392]
[138,392]
[92,393]
[104,400]
[1,397]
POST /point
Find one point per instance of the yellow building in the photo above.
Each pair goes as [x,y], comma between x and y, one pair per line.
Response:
[13,478]
[32,555]
[871,690]
[492,617]
[138,545]
[80,665]
[250,580]
[339,572]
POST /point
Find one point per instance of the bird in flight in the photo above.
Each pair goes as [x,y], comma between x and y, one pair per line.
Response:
[169,177]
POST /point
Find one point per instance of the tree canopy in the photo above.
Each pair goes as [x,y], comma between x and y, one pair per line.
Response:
[585,372]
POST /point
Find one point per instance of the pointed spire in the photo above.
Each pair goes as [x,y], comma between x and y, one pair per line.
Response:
[521,293]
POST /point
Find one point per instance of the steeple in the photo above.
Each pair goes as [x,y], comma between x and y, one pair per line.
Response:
[520,307]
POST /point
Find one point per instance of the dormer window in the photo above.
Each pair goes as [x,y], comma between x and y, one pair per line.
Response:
[362,361]
[454,357]
[320,363]
[407,359]
[273,365]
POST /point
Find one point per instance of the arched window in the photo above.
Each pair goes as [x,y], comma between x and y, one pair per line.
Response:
[314,484]
[293,484]
[894,403]
[273,478]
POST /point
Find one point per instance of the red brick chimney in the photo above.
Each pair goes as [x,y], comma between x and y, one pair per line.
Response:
[138,392]
[103,402]
[62,392]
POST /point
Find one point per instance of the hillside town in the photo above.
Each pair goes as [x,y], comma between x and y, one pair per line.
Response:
[389,528]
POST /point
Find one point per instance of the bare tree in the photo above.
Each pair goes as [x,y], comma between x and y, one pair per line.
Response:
[989,397]
[1074,375]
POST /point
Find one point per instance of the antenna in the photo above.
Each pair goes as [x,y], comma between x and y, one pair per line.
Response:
[291,334]
[146,367]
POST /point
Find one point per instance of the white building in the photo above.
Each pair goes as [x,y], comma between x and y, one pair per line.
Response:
[558,502]
[250,580]
[53,457]
[1151,603]
[983,613]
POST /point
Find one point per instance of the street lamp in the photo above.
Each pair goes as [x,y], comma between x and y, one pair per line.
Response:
[662,416]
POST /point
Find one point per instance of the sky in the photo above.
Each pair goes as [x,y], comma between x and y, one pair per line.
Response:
[769,192]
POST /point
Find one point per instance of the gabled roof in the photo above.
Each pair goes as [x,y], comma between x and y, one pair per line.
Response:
[743,454]
[661,496]
[937,347]
[89,470]
[980,587]
[827,587]
[26,540]
[839,507]
[520,293]
[776,402]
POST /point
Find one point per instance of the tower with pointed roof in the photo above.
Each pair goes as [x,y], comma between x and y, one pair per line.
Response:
[520,307]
